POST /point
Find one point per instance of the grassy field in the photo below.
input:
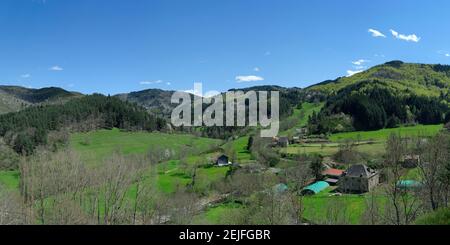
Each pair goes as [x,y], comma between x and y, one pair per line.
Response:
[95,146]
[351,207]
[170,176]
[302,116]
[240,146]
[217,214]
[383,134]
[9,179]
[327,150]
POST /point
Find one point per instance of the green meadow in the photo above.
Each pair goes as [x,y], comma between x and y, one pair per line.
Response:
[95,146]
[301,116]
[383,134]
[349,207]
[9,179]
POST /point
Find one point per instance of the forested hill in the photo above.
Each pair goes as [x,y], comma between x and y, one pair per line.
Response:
[384,96]
[156,101]
[15,98]
[28,128]
[402,78]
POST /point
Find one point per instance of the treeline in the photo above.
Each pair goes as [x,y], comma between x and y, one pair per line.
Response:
[27,129]
[289,99]
[373,107]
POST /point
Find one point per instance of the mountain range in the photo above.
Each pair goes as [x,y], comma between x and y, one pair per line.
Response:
[392,82]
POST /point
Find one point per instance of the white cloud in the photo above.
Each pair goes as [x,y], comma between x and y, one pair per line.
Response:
[150,82]
[351,73]
[360,62]
[408,38]
[376,33]
[256,69]
[194,92]
[25,76]
[56,68]
[251,78]
[444,53]
[168,83]
[212,93]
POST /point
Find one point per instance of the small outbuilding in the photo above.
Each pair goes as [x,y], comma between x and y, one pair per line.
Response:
[314,188]
[283,142]
[280,188]
[223,160]
[411,161]
[332,175]
[409,185]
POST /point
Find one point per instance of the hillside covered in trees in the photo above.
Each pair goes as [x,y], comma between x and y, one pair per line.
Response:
[28,128]
[15,98]
[385,96]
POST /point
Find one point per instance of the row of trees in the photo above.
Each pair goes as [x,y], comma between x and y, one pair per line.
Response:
[404,206]
[58,188]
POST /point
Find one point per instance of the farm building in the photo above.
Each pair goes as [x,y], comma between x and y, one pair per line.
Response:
[315,188]
[409,185]
[359,179]
[332,175]
[411,161]
[302,131]
[223,160]
[280,188]
[275,171]
[283,142]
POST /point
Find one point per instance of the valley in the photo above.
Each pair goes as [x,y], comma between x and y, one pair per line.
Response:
[117,159]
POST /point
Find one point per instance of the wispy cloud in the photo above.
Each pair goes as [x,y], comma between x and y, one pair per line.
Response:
[444,53]
[267,53]
[212,93]
[360,62]
[351,72]
[251,78]
[376,33]
[256,69]
[168,83]
[25,76]
[194,92]
[408,38]
[56,68]
[40,1]
[150,82]
[358,67]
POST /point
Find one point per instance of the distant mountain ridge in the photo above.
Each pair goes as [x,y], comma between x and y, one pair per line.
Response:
[15,98]
[156,101]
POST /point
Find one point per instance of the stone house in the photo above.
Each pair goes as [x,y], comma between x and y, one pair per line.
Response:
[359,179]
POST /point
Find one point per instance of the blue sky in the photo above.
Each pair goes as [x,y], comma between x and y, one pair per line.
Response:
[115,46]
